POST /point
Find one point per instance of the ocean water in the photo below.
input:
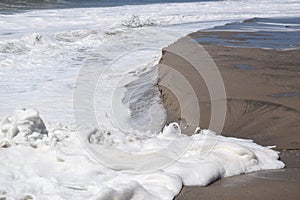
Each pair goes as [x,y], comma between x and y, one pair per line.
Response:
[19,5]
[97,59]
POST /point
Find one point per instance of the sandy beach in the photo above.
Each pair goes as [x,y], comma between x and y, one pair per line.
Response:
[262,95]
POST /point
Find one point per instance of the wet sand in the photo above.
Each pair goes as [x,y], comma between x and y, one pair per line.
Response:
[263,104]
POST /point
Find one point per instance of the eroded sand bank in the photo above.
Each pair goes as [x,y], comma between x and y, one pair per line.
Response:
[262,96]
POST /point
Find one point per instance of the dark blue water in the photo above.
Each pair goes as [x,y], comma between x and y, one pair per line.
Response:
[8,6]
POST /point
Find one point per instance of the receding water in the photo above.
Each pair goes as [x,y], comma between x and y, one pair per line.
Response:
[268,33]
[289,94]
[245,67]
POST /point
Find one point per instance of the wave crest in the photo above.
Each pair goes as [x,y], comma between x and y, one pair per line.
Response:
[136,21]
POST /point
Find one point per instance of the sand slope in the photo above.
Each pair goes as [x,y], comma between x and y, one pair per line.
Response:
[262,97]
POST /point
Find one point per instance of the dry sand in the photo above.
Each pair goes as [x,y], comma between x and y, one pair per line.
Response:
[263,103]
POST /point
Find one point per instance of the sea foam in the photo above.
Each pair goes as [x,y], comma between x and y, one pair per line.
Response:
[52,163]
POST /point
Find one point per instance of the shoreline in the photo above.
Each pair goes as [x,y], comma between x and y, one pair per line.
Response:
[262,96]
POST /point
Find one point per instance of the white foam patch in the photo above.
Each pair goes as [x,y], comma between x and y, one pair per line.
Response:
[53,164]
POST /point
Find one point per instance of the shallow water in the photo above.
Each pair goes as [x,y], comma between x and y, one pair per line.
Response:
[290,94]
[245,67]
[268,33]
